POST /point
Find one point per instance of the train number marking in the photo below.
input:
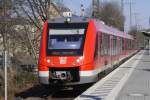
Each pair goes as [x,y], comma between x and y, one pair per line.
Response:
[62,60]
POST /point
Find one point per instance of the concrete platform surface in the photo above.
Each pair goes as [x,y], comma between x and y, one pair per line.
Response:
[138,85]
[130,81]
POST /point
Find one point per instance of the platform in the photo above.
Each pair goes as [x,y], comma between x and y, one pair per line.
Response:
[130,81]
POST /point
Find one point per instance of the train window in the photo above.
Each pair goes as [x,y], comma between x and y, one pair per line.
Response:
[66,39]
[102,44]
[123,44]
[107,42]
[120,44]
[96,46]
[130,44]
[99,45]
[127,45]
[114,51]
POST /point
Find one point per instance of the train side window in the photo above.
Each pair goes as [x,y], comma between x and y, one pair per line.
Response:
[99,43]
[127,44]
[114,45]
[96,46]
[119,45]
[130,44]
[102,44]
[122,44]
[107,38]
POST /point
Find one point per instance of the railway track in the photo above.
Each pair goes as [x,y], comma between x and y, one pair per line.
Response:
[39,92]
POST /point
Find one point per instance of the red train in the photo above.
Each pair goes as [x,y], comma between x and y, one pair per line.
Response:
[76,50]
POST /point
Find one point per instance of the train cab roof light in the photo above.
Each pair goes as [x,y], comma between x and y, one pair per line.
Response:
[68,20]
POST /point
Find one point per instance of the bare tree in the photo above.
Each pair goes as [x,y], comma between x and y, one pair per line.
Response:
[111,14]
[36,11]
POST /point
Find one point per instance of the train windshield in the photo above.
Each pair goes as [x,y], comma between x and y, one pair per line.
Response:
[66,41]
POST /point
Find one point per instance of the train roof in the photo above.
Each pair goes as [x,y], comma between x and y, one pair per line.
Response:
[110,30]
[74,19]
[100,26]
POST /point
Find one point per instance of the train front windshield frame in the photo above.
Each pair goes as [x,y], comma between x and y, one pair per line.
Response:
[66,39]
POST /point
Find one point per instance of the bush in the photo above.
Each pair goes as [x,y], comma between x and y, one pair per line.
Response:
[17,81]
[1,83]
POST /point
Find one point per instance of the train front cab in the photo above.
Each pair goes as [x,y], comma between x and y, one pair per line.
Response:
[60,64]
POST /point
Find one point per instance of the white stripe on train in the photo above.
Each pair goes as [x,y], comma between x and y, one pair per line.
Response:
[82,73]
[43,73]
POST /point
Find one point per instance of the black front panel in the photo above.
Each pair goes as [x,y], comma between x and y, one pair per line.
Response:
[65,74]
[67,25]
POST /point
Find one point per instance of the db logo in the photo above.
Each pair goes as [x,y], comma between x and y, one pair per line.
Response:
[63,60]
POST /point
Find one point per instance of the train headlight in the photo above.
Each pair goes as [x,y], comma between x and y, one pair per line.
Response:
[79,60]
[48,60]
[68,20]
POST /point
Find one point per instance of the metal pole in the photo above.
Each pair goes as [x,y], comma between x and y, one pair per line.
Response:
[5,53]
[130,15]
[149,21]
[149,46]
[5,59]
[122,5]
[93,10]
[95,4]
[122,9]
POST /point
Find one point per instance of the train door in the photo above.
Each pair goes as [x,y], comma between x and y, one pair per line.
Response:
[107,49]
[111,49]
[96,58]
[123,47]
[99,53]
[118,48]
[102,48]
[114,48]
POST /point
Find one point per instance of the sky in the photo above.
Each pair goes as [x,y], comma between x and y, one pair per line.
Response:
[140,10]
